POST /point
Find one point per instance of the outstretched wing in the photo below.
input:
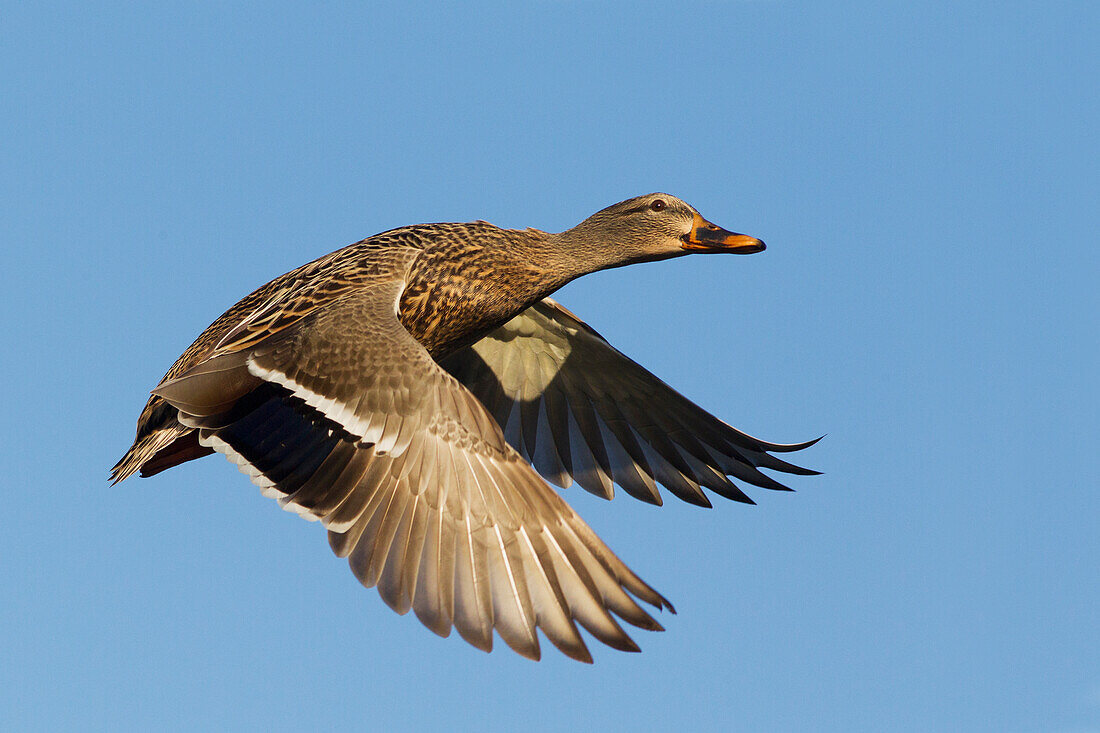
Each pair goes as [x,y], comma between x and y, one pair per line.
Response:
[581,411]
[344,418]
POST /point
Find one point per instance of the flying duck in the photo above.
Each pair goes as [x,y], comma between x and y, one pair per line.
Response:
[413,390]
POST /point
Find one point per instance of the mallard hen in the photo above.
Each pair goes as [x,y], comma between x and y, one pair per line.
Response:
[405,390]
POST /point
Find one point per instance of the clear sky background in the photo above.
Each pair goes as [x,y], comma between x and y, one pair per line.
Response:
[925,175]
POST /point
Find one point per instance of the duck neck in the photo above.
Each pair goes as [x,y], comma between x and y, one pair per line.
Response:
[565,256]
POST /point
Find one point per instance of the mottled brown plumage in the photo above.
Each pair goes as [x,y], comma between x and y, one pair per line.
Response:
[399,390]
[469,279]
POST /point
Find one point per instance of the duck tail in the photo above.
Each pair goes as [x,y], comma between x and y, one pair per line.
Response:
[161,442]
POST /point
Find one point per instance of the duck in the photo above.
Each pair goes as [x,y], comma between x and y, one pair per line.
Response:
[416,391]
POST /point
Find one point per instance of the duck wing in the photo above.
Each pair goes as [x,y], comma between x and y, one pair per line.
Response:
[162,441]
[343,417]
[580,410]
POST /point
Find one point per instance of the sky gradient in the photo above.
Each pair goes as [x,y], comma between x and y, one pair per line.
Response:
[925,177]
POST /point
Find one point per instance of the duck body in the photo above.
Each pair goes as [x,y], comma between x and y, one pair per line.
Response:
[405,389]
[467,280]
[461,281]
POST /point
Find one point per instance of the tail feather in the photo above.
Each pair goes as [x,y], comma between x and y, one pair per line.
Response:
[145,449]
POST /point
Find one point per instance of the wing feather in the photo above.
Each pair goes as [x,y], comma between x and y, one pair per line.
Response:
[584,412]
[347,419]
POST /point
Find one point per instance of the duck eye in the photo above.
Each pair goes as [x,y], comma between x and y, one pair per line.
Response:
[658,205]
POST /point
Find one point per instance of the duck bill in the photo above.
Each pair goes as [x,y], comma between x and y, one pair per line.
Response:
[707,237]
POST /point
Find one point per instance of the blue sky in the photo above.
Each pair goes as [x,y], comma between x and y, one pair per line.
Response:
[925,176]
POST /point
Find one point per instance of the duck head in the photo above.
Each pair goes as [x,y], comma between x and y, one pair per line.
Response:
[656,226]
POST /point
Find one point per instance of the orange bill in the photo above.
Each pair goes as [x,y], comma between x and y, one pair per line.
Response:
[707,237]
